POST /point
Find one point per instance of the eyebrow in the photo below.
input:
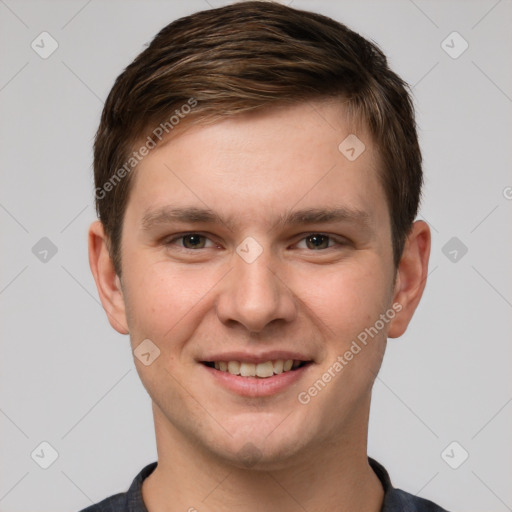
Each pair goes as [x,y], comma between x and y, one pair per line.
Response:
[194,215]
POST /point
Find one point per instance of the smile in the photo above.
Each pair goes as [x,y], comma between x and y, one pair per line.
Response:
[256,378]
[261,370]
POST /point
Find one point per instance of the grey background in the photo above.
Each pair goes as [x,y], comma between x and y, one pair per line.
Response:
[68,378]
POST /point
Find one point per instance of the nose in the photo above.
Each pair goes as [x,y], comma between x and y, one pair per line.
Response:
[255,295]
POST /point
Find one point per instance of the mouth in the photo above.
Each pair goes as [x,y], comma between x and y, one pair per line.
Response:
[256,375]
[263,370]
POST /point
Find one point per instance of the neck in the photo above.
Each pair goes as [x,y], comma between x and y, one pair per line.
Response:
[334,476]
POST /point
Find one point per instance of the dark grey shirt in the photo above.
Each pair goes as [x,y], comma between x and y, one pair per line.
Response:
[395,500]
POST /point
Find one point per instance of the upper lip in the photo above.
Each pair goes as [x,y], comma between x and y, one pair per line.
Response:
[252,357]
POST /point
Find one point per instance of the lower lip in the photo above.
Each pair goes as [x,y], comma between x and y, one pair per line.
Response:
[254,386]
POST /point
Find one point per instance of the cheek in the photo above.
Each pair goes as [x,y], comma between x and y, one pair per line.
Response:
[166,303]
[348,298]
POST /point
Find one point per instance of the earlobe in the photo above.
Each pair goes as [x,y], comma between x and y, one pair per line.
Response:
[411,277]
[107,281]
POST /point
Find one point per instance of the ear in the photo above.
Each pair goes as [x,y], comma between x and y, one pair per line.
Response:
[107,281]
[411,277]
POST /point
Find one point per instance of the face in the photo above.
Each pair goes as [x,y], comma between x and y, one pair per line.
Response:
[251,246]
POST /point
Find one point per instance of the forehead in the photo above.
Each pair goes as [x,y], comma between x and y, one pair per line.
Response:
[255,164]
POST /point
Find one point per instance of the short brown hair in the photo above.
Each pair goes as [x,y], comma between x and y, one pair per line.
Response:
[245,57]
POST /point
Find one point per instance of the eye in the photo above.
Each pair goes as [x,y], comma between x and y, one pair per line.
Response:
[190,241]
[319,241]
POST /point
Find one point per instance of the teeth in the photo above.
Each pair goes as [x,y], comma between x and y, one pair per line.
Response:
[265,369]
[278,366]
[234,367]
[262,370]
[248,370]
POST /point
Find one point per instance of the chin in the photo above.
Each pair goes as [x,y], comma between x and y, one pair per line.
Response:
[263,449]
[251,456]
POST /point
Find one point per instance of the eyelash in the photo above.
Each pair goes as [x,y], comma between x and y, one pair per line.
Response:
[338,240]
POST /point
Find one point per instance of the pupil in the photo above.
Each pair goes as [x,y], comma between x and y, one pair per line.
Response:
[192,241]
[317,241]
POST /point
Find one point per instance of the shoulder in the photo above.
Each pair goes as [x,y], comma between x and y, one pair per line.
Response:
[396,500]
[129,501]
[116,503]
[401,501]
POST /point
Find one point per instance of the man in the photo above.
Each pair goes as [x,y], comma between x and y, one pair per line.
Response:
[257,178]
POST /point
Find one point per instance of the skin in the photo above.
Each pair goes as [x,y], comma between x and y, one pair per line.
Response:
[218,450]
